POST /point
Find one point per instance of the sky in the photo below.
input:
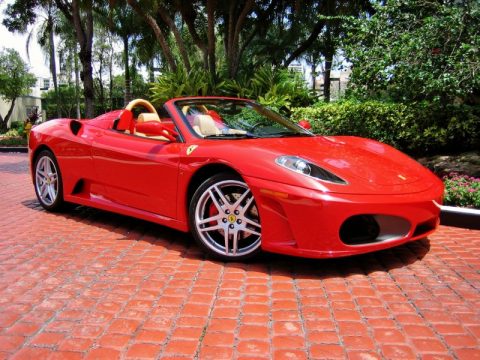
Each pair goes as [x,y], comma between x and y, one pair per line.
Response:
[37,62]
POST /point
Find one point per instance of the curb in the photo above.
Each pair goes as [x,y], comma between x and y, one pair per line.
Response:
[460,217]
[13,149]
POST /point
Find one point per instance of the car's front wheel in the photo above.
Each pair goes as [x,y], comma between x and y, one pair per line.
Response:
[48,181]
[224,218]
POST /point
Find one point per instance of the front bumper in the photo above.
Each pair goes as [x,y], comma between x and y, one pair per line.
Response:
[304,222]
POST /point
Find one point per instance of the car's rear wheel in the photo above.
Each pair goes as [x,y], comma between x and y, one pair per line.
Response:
[48,181]
[224,218]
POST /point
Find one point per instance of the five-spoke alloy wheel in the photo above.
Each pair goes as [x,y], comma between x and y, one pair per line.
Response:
[224,218]
[48,181]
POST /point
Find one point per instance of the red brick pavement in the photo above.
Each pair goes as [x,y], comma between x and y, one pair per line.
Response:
[94,285]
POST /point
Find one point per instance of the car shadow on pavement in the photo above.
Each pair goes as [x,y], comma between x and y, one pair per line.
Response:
[128,228]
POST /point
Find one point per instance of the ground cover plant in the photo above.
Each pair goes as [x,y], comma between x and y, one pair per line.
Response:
[462,190]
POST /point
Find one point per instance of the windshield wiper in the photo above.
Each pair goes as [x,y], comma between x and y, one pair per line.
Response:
[290,134]
[230,136]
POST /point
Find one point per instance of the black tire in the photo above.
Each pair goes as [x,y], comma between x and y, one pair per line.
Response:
[48,184]
[231,215]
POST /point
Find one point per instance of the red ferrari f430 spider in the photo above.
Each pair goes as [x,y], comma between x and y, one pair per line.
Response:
[238,176]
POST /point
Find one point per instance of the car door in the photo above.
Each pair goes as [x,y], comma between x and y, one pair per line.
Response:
[138,172]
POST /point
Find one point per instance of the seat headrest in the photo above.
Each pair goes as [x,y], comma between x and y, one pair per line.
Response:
[206,125]
[147,117]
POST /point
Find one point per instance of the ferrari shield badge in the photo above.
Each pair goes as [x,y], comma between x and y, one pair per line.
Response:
[191,148]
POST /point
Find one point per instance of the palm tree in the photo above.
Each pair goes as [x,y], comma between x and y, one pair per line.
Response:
[122,22]
[43,13]
[46,39]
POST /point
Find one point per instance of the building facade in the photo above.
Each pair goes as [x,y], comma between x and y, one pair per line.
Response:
[24,105]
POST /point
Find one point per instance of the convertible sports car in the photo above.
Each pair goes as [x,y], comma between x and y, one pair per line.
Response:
[240,177]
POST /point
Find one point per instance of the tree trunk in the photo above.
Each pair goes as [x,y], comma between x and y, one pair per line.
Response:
[100,81]
[326,75]
[84,34]
[110,75]
[128,82]
[307,43]
[158,34]
[314,74]
[211,4]
[188,15]
[150,67]
[4,124]
[162,11]
[77,84]
[235,26]
[53,63]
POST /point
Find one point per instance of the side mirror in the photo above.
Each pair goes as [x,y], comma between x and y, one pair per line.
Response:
[305,124]
[155,128]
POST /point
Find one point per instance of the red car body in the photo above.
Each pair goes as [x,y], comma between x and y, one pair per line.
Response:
[154,180]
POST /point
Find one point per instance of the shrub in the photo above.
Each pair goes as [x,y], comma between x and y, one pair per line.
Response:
[67,101]
[278,88]
[12,133]
[19,126]
[462,190]
[274,87]
[181,82]
[416,128]
[13,141]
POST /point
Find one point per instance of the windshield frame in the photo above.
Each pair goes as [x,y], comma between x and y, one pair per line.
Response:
[273,116]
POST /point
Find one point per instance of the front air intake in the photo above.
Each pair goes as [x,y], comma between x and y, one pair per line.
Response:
[373,228]
[359,229]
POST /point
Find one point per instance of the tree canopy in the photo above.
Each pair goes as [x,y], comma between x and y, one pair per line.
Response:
[417,50]
[15,80]
[403,50]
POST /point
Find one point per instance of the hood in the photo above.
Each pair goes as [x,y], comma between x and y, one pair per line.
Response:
[368,166]
[364,159]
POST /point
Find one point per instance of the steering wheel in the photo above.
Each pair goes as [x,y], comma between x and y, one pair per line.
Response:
[169,134]
[255,126]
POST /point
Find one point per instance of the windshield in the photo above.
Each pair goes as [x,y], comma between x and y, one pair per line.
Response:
[235,119]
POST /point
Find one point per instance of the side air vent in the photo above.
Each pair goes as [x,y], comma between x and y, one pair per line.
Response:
[75,126]
[78,188]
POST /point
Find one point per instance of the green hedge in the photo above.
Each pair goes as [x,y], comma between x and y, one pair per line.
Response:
[419,128]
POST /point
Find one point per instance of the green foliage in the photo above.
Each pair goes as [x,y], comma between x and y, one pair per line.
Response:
[19,127]
[15,80]
[462,190]
[15,136]
[12,133]
[417,50]
[19,15]
[416,128]
[196,82]
[139,89]
[67,101]
[274,87]
[13,141]
[277,88]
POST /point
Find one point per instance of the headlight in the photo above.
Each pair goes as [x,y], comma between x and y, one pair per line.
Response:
[304,167]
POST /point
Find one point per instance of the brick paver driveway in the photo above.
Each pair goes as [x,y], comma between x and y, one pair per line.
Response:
[90,284]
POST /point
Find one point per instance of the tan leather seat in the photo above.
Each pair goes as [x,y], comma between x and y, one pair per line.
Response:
[204,125]
[147,117]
